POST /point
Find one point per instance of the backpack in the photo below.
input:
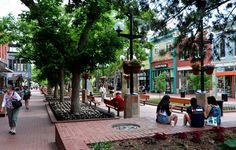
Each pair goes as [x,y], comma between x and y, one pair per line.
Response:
[214,116]
[215,111]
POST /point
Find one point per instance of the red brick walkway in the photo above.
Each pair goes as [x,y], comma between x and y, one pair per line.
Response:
[34,131]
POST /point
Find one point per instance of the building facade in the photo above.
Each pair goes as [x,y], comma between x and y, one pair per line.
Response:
[3,66]
[21,74]
[225,64]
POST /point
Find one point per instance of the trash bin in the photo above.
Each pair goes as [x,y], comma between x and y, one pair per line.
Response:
[182,94]
[220,103]
[224,97]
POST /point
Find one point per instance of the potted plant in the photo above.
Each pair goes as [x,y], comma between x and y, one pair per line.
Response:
[209,69]
[126,67]
[134,64]
[195,68]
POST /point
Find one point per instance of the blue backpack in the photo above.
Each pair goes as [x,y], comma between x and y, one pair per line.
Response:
[215,111]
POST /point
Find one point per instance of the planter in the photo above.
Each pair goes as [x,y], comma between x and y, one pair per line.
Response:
[127,65]
[136,69]
[195,72]
[209,69]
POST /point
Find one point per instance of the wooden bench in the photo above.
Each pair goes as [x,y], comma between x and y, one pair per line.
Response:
[144,98]
[91,100]
[112,104]
[182,101]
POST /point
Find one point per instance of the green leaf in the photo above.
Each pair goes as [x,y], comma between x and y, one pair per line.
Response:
[230,143]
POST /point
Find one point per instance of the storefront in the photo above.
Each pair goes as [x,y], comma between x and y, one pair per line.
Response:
[225,77]
[164,68]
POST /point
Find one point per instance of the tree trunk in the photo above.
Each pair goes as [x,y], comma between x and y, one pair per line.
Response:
[75,97]
[49,89]
[55,94]
[62,84]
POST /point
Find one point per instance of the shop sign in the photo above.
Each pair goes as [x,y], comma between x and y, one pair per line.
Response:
[161,66]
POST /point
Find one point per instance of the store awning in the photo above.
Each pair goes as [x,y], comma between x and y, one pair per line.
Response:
[5,69]
[228,73]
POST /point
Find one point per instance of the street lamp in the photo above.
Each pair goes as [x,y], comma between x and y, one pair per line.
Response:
[119,28]
[201,43]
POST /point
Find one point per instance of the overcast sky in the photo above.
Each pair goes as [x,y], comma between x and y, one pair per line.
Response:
[11,6]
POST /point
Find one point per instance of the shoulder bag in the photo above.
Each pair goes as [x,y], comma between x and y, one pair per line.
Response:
[15,103]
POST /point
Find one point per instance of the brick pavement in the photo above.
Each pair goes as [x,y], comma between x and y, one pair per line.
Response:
[34,131]
[76,135]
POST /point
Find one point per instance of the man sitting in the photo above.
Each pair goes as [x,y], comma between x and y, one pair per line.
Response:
[119,100]
[195,114]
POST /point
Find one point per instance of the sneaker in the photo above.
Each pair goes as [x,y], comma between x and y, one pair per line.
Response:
[13,132]
[10,132]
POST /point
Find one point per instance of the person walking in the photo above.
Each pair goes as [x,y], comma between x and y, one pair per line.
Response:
[163,112]
[26,96]
[12,112]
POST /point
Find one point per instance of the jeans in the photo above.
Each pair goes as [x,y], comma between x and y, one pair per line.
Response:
[12,116]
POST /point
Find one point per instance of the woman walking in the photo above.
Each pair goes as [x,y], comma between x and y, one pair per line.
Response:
[12,112]
[26,96]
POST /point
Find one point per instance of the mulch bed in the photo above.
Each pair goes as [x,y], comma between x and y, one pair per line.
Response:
[208,140]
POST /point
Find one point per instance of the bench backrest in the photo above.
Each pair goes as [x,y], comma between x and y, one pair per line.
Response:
[144,96]
[180,100]
[112,103]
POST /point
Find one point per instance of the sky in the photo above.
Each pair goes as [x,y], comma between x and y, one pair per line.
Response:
[11,6]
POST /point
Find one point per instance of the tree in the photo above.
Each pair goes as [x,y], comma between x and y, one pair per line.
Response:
[84,41]
[160,85]
[195,84]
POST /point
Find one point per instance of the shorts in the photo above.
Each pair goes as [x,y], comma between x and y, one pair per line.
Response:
[163,119]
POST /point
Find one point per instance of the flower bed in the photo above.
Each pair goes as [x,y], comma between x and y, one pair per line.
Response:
[213,139]
[61,112]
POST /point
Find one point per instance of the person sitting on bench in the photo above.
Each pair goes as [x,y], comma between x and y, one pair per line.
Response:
[120,101]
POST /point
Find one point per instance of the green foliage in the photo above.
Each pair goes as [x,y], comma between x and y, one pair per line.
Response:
[102,146]
[154,100]
[160,82]
[194,81]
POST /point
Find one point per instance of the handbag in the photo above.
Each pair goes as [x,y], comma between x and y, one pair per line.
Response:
[212,121]
[15,103]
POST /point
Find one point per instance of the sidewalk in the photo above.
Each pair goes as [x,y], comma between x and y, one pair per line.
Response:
[34,130]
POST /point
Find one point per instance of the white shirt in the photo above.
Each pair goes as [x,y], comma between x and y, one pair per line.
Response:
[8,97]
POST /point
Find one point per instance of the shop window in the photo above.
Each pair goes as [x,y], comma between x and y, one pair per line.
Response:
[157,49]
[222,48]
[234,48]
[10,64]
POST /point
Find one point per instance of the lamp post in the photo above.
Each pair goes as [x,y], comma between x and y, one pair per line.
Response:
[131,37]
[201,43]
[131,100]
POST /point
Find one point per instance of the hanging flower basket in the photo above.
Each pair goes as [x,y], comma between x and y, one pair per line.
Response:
[195,68]
[126,67]
[85,75]
[134,64]
[209,69]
